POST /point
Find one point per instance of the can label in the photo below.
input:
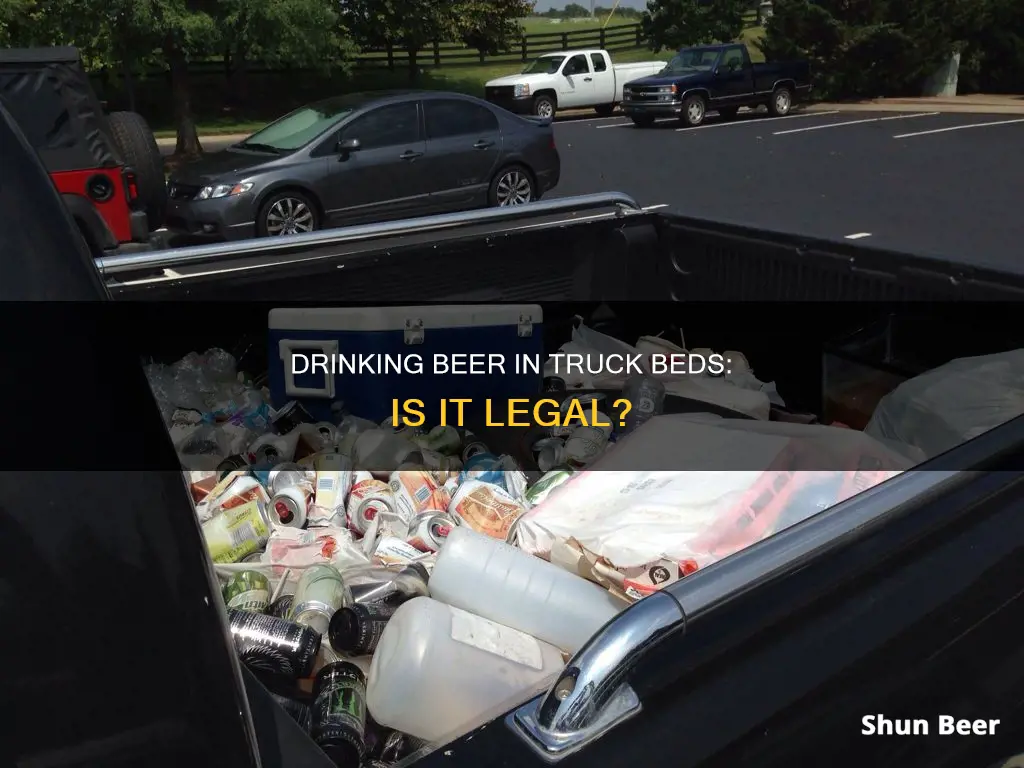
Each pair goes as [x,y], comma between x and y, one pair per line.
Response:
[281,607]
[414,491]
[236,490]
[485,508]
[340,701]
[371,619]
[273,645]
[236,533]
[248,591]
[392,551]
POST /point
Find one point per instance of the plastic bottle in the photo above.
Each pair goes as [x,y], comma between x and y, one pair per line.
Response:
[490,578]
[439,671]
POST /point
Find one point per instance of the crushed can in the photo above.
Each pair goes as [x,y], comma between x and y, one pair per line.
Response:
[237,532]
[486,508]
[333,483]
[429,530]
[368,498]
[292,506]
[413,490]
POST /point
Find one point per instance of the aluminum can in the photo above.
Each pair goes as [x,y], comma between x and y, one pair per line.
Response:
[272,645]
[291,506]
[320,592]
[339,713]
[429,530]
[368,498]
[247,591]
[237,532]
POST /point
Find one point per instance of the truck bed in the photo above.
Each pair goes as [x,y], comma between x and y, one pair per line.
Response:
[863,597]
[766,75]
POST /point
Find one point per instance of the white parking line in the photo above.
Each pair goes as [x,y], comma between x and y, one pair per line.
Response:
[758,120]
[856,122]
[616,125]
[957,128]
[858,235]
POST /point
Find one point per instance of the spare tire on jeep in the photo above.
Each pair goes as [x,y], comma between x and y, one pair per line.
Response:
[142,155]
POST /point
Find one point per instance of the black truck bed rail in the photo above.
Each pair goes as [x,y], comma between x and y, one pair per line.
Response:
[547,250]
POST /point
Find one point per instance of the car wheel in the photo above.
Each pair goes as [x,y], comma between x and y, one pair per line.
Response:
[642,121]
[544,105]
[512,186]
[604,110]
[287,213]
[728,113]
[781,102]
[141,153]
[694,110]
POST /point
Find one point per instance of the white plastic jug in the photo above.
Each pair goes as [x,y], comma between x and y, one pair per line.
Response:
[438,672]
[490,578]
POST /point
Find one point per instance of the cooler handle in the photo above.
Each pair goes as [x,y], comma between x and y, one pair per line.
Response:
[288,347]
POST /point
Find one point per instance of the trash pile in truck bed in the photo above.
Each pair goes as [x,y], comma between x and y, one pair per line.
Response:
[396,587]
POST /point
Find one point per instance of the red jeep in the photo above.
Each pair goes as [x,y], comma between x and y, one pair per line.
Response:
[107,168]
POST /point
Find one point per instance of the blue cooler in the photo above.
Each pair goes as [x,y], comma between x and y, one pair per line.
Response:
[396,334]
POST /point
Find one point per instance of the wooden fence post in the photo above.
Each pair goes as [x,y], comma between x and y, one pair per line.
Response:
[522,47]
[437,54]
[601,39]
[565,41]
[390,48]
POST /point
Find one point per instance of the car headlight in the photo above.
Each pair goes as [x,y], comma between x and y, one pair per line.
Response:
[223,190]
[521,89]
[627,91]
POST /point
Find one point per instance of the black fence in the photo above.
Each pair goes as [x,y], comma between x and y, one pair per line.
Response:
[619,37]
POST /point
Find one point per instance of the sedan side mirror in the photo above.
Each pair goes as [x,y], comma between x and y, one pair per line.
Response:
[715,72]
[348,145]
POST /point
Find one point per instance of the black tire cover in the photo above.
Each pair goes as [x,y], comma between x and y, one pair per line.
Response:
[142,155]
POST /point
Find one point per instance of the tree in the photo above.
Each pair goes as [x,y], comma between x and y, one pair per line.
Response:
[574,11]
[868,48]
[300,33]
[412,25]
[132,36]
[15,18]
[681,23]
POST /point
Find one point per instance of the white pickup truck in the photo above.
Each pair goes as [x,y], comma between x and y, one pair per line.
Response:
[568,80]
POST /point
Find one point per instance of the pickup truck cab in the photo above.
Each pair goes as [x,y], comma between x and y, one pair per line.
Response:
[568,80]
[906,600]
[721,78]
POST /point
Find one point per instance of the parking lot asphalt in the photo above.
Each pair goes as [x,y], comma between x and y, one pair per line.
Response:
[945,185]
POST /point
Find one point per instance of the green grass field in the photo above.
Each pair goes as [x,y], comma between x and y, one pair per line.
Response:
[462,79]
[536,25]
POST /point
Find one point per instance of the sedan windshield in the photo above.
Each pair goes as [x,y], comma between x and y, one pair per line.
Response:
[692,60]
[545,65]
[300,127]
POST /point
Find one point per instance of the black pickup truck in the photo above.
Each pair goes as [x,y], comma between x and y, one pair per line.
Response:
[721,78]
[905,601]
